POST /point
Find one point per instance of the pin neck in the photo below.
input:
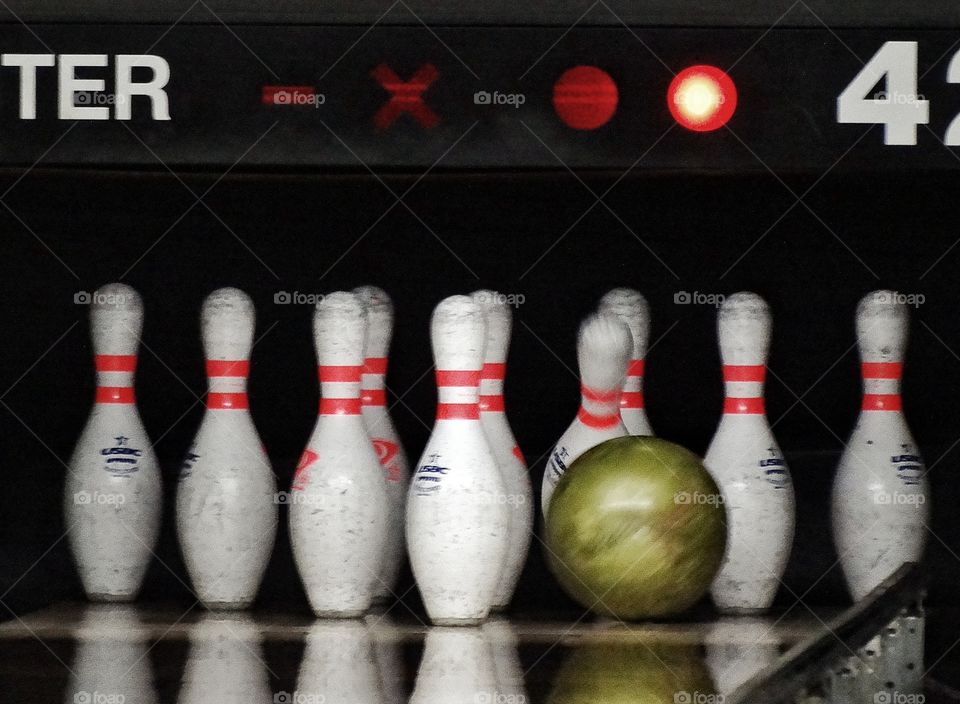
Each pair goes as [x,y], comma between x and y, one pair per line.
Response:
[227,384]
[599,408]
[743,389]
[881,386]
[373,382]
[340,389]
[115,378]
[458,393]
[491,387]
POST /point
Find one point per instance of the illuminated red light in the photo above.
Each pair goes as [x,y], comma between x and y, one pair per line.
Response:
[702,98]
[585,97]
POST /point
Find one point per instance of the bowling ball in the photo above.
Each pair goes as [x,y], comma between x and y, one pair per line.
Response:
[636,528]
[633,673]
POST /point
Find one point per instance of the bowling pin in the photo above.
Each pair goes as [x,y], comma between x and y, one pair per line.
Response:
[226,500]
[338,511]
[880,493]
[508,671]
[387,641]
[747,465]
[338,665]
[225,662]
[603,350]
[457,667]
[631,307]
[513,468]
[386,441]
[457,521]
[113,495]
[110,662]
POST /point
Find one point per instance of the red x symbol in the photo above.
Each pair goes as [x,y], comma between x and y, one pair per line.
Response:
[405,96]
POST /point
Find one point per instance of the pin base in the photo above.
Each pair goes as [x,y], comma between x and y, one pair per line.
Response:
[226,605]
[499,608]
[112,598]
[334,613]
[743,610]
[457,621]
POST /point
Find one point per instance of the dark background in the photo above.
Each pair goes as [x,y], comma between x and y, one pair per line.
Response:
[65,232]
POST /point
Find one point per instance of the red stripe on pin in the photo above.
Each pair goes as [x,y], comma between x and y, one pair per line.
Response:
[374,397]
[236,401]
[745,406]
[636,367]
[881,370]
[227,367]
[595,421]
[458,411]
[115,362]
[114,394]
[375,365]
[456,377]
[494,370]
[339,374]
[339,406]
[631,399]
[491,404]
[599,396]
[744,372]
[882,402]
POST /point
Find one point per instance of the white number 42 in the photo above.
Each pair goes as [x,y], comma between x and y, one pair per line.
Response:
[898,106]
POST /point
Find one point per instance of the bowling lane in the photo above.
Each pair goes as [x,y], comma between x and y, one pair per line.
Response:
[102,654]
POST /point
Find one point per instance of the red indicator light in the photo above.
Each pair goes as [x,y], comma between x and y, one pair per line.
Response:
[405,96]
[585,97]
[702,98]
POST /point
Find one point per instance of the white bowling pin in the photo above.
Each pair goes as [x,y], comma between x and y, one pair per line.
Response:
[113,494]
[880,493]
[338,665]
[747,465]
[338,511]
[604,345]
[226,500]
[457,667]
[457,521]
[110,663]
[631,307]
[737,649]
[225,662]
[386,441]
[387,641]
[513,468]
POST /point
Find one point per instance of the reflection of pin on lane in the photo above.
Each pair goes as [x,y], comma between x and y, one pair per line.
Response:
[880,492]
[457,666]
[225,663]
[632,308]
[457,522]
[386,441]
[747,464]
[113,495]
[338,511]
[738,648]
[226,508]
[604,346]
[338,665]
[493,418]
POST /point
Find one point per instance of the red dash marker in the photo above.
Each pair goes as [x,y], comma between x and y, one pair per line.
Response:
[288,95]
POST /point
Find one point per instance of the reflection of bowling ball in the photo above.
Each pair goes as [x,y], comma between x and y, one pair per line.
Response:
[636,528]
[632,673]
